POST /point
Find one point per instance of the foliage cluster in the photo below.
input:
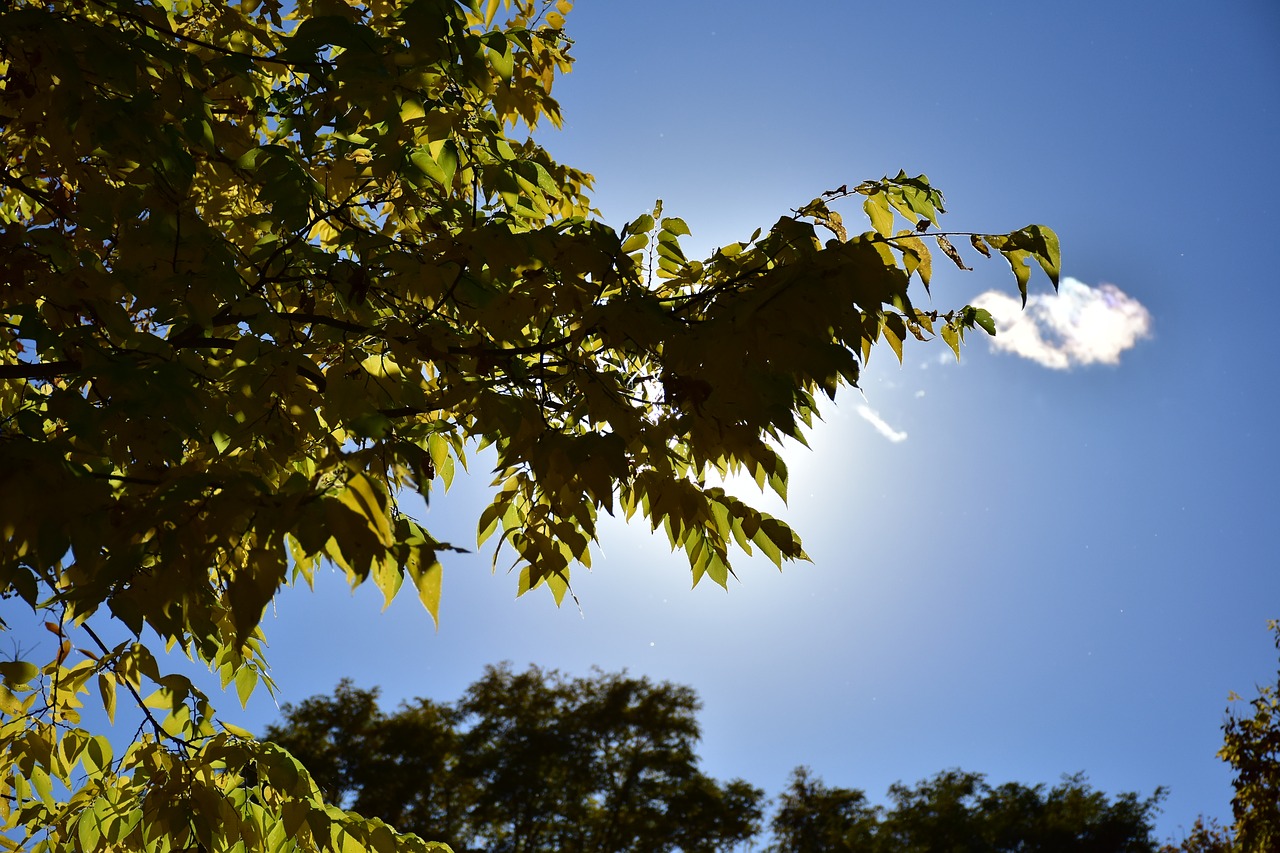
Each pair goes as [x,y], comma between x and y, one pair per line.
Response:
[268,266]
[1251,745]
[1205,836]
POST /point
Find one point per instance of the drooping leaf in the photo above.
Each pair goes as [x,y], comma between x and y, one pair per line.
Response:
[951,252]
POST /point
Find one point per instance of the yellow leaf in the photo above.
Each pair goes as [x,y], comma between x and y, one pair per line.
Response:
[107,687]
[952,339]
[427,578]
[411,110]
[880,214]
[246,680]
[367,498]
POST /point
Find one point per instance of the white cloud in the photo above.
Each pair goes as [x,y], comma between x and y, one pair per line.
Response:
[873,418]
[1078,325]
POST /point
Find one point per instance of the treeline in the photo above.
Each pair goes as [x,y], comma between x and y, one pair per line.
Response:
[537,761]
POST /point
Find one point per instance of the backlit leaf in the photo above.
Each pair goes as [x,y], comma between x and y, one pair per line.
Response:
[951,252]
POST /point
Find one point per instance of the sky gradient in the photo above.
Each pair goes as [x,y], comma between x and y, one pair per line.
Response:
[1054,556]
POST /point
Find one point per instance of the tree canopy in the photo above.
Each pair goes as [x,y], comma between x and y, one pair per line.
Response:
[1251,745]
[268,268]
[960,811]
[527,761]
[535,761]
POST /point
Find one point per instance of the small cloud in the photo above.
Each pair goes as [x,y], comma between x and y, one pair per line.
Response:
[1078,325]
[873,418]
[942,359]
[919,393]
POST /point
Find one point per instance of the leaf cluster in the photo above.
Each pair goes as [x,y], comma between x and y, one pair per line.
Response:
[271,267]
[1251,745]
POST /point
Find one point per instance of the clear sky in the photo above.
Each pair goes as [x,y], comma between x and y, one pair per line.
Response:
[1050,558]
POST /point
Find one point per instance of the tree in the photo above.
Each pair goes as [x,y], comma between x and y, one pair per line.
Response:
[398,767]
[269,266]
[813,818]
[958,812]
[525,762]
[1205,836]
[1251,745]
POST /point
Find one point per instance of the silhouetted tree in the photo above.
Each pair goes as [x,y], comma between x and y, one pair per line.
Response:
[398,767]
[812,817]
[530,761]
[958,812]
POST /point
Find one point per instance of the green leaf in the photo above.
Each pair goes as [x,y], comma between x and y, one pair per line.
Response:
[107,689]
[18,673]
[768,547]
[675,225]
[641,225]
[880,214]
[88,831]
[246,681]
[441,457]
[237,731]
[635,243]
[97,755]
[372,425]
[952,339]
[42,785]
[982,317]
[1018,247]
[437,160]
[502,61]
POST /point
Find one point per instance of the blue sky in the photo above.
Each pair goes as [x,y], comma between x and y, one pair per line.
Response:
[1019,567]
[1056,570]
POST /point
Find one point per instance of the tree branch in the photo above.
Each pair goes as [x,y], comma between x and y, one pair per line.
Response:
[137,697]
[47,370]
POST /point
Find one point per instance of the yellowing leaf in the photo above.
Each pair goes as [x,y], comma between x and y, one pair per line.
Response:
[246,680]
[880,214]
[427,574]
[367,498]
[97,755]
[107,689]
[411,110]
[952,338]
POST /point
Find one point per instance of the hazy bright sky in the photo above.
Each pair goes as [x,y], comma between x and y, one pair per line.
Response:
[1047,559]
